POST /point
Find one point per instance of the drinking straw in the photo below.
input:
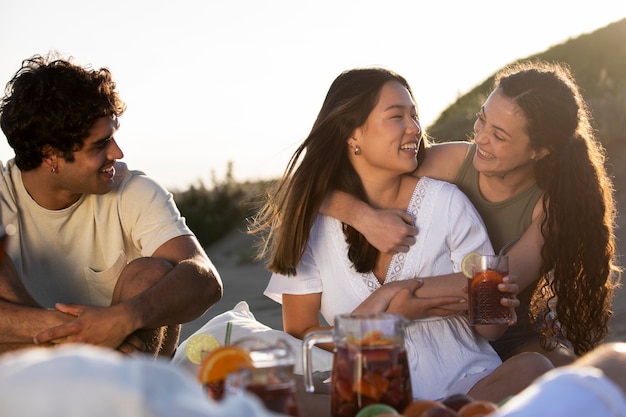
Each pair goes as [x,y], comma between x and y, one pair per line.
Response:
[506,247]
[229,327]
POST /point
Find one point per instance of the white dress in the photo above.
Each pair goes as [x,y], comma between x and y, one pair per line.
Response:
[445,355]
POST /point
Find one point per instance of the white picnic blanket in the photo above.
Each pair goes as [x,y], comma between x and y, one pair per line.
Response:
[244,324]
[87,381]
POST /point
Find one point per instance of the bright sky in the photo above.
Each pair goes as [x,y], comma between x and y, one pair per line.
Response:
[207,82]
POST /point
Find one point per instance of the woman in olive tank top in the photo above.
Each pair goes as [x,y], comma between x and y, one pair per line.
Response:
[534,169]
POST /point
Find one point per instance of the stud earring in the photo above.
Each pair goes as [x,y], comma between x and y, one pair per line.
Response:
[53,170]
[357,150]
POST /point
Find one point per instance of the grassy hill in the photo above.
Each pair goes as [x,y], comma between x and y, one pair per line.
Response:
[598,61]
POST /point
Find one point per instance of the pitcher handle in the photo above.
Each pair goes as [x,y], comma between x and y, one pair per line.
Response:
[311,339]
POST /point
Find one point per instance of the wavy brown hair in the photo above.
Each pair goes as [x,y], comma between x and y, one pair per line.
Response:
[320,164]
[51,101]
[578,271]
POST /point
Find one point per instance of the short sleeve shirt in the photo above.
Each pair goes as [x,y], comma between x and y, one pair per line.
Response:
[75,255]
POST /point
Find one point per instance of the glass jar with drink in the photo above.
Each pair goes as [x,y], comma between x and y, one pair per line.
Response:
[369,363]
[484,297]
[270,378]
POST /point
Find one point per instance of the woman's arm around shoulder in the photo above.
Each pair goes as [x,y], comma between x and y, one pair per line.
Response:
[525,255]
[443,160]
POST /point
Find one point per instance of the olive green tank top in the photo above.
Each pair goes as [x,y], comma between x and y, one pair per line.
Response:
[505,219]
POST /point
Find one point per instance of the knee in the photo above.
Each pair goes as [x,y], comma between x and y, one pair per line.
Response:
[533,364]
[606,356]
[139,275]
[610,358]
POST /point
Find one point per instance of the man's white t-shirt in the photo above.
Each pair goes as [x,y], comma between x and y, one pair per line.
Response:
[75,255]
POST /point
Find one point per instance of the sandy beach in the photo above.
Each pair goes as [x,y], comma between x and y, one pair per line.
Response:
[246,281]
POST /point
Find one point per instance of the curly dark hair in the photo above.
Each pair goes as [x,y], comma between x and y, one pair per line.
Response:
[51,101]
[578,228]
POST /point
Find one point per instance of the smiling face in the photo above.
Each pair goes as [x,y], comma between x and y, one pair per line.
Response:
[503,145]
[91,171]
[389,138]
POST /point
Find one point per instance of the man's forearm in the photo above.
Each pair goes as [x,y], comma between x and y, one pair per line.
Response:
[19,324]
[182,295]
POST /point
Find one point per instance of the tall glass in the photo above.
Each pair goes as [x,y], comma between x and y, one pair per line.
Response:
[272,379]
[484,297]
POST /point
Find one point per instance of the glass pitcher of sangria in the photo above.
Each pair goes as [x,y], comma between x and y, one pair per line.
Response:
[369,362]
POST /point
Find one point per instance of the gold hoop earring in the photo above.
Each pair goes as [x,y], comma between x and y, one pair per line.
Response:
[357,150]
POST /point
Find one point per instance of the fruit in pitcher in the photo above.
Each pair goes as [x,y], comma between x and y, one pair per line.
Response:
[379,376]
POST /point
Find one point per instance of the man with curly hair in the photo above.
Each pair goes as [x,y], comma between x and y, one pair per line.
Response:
[100,253]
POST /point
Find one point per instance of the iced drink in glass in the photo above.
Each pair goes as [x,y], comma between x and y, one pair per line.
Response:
[484,297]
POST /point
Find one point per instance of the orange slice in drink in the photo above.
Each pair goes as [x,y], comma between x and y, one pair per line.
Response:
[222,361]
[373,337]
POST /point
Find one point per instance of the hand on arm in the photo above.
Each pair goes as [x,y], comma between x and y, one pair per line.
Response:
[388,230]
[19,324]
[101,326]
[180,293]
[21,317]
[401,297]
[450,285]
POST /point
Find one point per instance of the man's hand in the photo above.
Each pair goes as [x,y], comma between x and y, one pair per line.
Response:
[388,230]
[101,326]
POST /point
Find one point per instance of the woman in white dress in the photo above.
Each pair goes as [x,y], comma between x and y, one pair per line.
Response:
[364,142]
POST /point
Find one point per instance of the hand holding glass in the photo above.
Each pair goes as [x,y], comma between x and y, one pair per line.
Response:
[484,297]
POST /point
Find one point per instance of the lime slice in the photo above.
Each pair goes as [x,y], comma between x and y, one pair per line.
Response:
[375,410]
[199,345]
[468,262]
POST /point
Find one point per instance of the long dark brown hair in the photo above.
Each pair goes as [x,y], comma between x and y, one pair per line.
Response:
[319,165]
[578,270]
